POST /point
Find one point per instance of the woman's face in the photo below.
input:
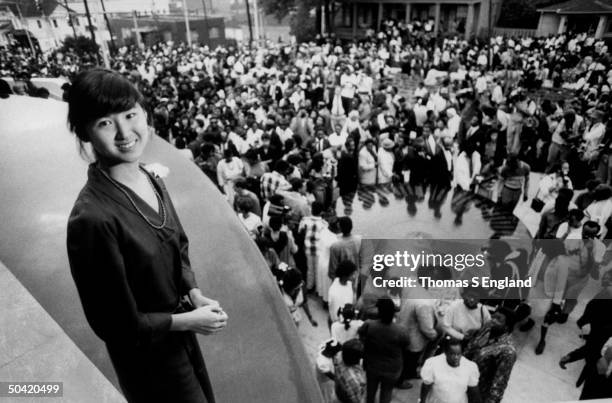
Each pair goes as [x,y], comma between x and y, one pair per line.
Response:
[453,355]
[120,137]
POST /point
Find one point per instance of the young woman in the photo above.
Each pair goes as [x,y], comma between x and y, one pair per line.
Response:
[347,325]
[450,377]
[128,252]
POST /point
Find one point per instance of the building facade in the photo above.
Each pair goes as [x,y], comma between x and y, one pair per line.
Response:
[46,28]
[465,17]
[577,15]
[154,29]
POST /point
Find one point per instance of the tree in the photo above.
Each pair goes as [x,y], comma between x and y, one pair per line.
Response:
[82,45]
[302,24]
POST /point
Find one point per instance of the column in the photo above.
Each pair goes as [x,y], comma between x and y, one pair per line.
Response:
[354,20]
[562,24]
[408,11]
[379,16]
[601,27]
[469,21]
[437,19]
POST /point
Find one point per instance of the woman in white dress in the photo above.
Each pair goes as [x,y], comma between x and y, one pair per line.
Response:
[323,282]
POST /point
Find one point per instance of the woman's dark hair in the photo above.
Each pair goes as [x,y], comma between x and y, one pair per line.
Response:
[602,192]
[96,93]
[276,222]
[348,314]
[576,214]
[180,143]
[345,268]
[386,310]
[291,279]
[510,318]
[317,208]
[352,351]
[346,225]
[296,184]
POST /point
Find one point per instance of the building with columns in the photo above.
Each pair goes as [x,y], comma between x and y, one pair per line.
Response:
[577,15]
[465,17]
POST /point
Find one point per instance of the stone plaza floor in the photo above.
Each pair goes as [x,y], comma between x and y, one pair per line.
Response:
[536,379]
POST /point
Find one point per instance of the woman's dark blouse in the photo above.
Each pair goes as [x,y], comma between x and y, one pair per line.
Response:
[129,276]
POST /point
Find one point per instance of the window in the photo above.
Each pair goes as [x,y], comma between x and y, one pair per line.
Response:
[39,24]
[346,15]
[213,33]
[55,23]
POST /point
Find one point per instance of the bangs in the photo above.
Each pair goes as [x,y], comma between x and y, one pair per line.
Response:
[96,93]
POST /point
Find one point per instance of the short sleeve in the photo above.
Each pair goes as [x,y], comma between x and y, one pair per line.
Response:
[474,374]
[486,315]
[427,371]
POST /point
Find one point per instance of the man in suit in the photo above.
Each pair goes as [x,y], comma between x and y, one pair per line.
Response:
[440,175]
[318,143]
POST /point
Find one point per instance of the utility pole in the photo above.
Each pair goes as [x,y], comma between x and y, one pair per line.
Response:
[257,26]
[138,43]
[248,11]
[187,29]
[108,26]
[91,27]
[70,19]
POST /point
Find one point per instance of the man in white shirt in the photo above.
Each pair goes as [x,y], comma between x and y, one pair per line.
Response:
[450,377]
[348,82]
[229,169]
[593,136]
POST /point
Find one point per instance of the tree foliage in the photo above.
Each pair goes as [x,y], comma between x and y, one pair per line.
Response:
[302,24]
[82,45]
[281,8]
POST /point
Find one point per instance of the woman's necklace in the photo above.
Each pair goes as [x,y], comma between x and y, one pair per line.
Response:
[125,192]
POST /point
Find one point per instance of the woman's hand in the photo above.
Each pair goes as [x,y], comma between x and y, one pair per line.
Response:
[198,300]
[207,320]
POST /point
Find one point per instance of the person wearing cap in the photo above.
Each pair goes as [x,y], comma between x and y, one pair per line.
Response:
[493,351]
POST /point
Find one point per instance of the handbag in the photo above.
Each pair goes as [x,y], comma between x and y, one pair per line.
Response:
[537,204]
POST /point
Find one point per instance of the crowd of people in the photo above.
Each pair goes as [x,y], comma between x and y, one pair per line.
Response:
[292,133]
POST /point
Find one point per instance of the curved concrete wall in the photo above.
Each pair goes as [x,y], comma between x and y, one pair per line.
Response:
[259,357]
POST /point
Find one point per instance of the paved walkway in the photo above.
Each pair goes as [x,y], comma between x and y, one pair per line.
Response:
[534,378]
